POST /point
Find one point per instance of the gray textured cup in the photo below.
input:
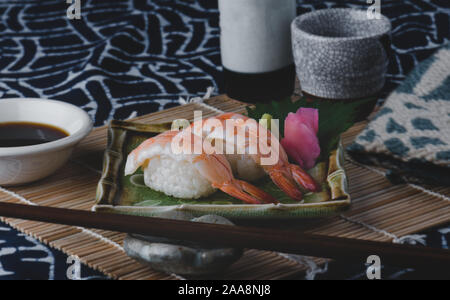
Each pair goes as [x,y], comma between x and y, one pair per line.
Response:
[341,53]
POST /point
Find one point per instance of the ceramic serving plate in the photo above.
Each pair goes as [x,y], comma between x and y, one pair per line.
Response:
[118,193]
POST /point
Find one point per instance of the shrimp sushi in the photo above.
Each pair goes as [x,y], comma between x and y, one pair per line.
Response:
[189,175]
[249,166]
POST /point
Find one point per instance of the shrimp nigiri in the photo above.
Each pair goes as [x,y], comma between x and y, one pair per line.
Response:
[189,175]
[249,165]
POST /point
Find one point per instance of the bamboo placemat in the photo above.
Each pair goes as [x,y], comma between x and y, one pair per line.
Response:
[380,211]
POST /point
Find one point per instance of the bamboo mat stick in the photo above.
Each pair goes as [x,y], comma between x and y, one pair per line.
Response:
[237,236]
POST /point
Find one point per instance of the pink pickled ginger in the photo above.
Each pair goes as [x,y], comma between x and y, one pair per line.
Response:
[300,137]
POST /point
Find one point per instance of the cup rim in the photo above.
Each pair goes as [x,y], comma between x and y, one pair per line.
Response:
[296,26]
[67,142]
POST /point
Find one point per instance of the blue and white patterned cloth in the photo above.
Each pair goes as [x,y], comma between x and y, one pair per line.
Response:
[410,135]
[127,57]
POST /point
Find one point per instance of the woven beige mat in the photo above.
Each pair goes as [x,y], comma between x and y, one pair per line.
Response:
[380,211]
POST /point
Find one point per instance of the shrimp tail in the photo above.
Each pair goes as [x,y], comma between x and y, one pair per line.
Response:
[303,178]
[235,190]
[286,183]
[257,193]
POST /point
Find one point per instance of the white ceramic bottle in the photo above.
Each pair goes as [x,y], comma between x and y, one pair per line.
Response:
[256,48]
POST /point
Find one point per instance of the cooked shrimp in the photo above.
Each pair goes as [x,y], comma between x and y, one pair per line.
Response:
[284,174]
[186,174]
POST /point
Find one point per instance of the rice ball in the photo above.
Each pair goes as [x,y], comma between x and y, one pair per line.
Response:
[177,178]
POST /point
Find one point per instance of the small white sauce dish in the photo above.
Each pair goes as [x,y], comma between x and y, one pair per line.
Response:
[21,165]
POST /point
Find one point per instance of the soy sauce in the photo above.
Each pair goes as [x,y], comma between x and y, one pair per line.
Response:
[19,134]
